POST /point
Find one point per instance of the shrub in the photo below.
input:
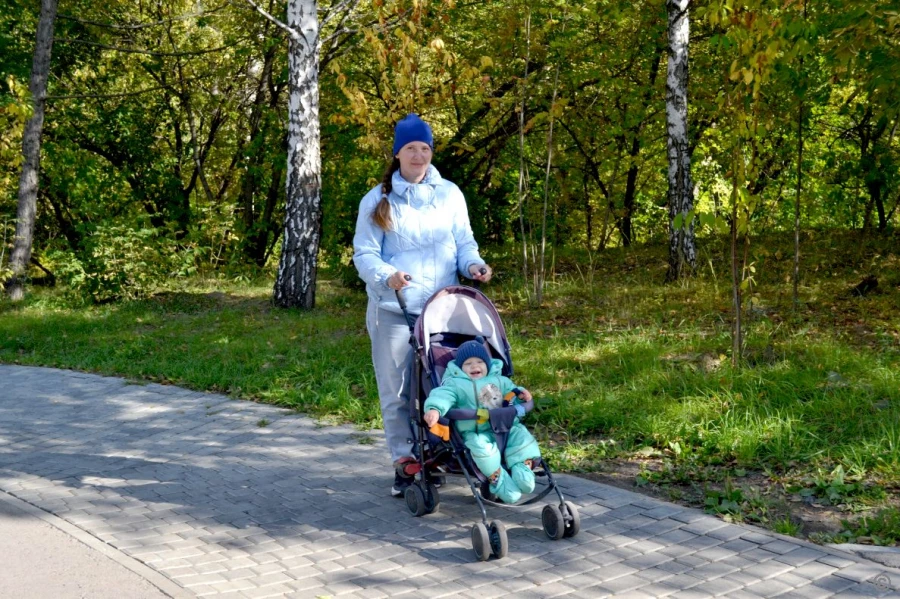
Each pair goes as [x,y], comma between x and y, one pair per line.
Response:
[120,262]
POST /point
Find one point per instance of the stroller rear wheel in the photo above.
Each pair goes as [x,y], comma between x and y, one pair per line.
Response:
[553,522]
[422,499]
[432,499]
[499,540]
[415,500]
[481,541]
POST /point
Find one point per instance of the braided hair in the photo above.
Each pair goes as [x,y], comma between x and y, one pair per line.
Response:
[381,215]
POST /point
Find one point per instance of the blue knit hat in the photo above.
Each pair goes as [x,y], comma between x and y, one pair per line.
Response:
[473,349]
[412,128]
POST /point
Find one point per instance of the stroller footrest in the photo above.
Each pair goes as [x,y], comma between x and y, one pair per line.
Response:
[407,467]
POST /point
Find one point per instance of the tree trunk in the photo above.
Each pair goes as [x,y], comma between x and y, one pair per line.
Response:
[295,285]
[31,152]
[680,196]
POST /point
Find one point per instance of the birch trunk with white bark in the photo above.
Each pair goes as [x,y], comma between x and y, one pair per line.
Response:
[682,247]
[295,285]
[31,153]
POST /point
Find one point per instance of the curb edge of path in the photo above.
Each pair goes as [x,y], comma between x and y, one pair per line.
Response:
[153,577]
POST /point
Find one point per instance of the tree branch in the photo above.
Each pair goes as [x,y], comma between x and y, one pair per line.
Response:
[138,26]
[142,51]
[283,26]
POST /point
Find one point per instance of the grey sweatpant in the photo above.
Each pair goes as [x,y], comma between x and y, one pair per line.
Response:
[391,357]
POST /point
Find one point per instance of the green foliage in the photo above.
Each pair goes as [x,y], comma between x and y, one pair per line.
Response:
[880,528]
[119,262]
[186,128]
[15,110]
[729,501]
[835,488]
[784,525]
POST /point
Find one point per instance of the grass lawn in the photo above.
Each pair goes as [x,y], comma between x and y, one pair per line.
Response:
[634,379]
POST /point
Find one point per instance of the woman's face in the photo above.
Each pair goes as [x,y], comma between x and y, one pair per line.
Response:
[414,160]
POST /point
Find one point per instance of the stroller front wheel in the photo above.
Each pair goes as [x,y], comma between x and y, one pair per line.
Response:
[573,523]
[499,540]
[481,541]
[553,522]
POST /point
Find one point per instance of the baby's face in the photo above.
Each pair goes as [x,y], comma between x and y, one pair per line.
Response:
[475,368]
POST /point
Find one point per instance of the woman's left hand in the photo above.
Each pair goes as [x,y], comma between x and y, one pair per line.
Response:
[476,271]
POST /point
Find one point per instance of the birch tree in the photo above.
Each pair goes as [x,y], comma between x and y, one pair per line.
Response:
[682,247]
[31,153]
[295,284]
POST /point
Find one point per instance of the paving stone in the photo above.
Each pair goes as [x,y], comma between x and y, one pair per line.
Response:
[768,588]
[655,574]
[800,556]
[807,591]
[815,570]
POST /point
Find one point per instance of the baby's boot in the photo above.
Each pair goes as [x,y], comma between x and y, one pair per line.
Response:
[503,487]
[523,476]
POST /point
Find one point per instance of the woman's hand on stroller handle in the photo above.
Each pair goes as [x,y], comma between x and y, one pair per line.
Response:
[481,272]
[398,280]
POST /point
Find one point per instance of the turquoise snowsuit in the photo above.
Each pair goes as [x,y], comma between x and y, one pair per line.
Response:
[458,390]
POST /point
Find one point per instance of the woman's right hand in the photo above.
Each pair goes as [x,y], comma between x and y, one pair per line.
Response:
[398,280]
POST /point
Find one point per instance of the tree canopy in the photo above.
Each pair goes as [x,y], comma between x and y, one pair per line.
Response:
[164,147]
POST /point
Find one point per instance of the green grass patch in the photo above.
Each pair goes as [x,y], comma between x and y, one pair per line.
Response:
[879,528]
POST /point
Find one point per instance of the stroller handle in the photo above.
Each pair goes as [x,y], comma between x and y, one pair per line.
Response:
[410,319]
[400,299]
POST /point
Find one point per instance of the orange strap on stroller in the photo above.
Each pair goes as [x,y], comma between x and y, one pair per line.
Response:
[441,430]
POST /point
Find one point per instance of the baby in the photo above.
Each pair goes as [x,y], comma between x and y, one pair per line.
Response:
[473,381]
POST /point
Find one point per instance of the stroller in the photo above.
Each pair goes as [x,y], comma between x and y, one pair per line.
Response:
[450,317]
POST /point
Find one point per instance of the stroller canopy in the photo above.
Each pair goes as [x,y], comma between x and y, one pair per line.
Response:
[462,310]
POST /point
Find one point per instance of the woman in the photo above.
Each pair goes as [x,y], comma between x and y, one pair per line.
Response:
[412,233]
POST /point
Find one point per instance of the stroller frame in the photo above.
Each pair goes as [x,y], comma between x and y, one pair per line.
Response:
[488,538]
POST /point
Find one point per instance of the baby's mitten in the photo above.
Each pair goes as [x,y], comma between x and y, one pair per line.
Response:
[504,488]
[523,477]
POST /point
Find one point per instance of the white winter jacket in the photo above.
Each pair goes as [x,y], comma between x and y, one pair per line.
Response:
[431,239]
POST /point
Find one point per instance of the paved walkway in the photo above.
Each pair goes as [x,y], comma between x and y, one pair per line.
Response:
[229,499]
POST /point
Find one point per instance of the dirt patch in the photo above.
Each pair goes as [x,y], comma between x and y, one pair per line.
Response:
[758,499]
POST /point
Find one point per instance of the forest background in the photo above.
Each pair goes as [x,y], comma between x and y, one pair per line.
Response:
[164,160]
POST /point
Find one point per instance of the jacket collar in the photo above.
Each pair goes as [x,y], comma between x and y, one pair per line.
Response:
[416,193]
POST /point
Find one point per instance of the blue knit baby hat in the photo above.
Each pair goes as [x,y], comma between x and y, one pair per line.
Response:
[472,349]
[411,128]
